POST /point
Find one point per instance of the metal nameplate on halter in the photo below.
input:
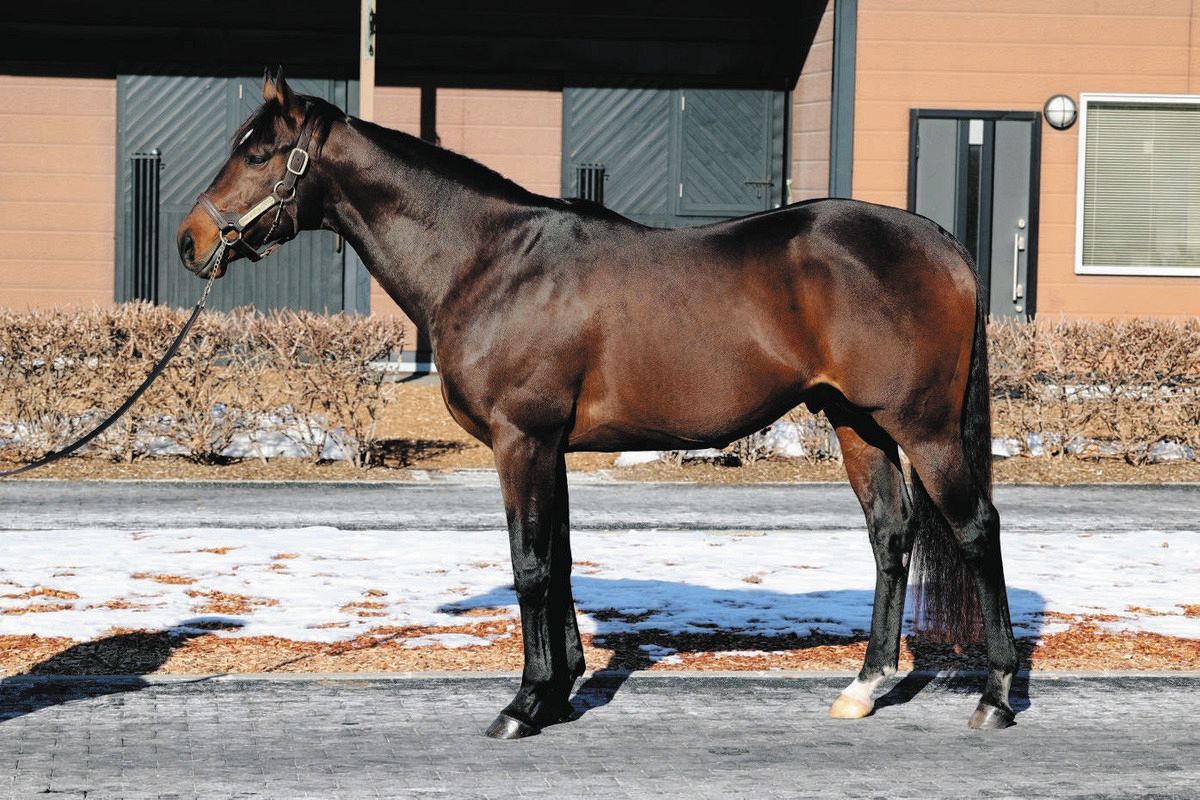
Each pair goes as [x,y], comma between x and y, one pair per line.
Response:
[263,207]
[303,164]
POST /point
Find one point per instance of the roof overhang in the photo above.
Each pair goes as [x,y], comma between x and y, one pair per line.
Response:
[520,44]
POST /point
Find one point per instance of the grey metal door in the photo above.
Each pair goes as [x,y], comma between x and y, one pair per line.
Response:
[629,132]
[189,120]
[725,153]
[976,174]
[678,157]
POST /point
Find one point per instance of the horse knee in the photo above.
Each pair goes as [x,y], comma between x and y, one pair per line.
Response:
[892,543]
[979,538]
[532,581]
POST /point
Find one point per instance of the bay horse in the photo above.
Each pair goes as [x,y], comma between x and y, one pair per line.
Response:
[558,325]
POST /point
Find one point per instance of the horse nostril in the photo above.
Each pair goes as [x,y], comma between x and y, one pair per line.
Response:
[187,248]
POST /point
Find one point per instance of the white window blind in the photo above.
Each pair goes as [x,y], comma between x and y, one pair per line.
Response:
[1141,187]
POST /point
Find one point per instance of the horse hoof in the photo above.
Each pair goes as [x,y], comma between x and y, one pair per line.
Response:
[847,707]
[989,717]
[506,727]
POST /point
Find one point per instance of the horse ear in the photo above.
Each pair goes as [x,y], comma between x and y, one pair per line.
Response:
[276,88]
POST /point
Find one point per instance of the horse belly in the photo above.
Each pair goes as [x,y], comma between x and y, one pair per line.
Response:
[703,390]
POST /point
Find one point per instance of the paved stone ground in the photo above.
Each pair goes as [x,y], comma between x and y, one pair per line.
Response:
[648,736]
[472,502]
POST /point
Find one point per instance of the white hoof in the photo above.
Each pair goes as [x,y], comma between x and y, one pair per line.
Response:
[847,707]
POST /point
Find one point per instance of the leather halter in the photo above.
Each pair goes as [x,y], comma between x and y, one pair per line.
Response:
[233,226]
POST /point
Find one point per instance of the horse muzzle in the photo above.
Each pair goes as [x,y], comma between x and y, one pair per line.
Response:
[215,260]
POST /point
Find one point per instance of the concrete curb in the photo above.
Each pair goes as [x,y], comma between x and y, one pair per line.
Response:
[756,675]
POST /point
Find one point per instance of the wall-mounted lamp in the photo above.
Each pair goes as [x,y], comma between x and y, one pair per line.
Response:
[1060,112]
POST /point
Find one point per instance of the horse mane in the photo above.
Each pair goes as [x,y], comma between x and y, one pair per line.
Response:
[413,150]
[450,164]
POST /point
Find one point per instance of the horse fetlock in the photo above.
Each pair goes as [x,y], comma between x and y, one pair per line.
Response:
[999,684]
[543,704]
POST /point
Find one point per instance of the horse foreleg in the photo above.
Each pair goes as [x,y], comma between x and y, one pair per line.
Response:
[533,480]
[560,568]
[873,467]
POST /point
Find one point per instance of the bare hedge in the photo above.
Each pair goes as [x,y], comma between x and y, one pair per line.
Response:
[241,382]
[246,385]
[1122,389]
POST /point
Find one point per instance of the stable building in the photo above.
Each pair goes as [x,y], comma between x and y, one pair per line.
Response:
[113,118]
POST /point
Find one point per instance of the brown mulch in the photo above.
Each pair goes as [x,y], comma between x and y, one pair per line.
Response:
[1084,646]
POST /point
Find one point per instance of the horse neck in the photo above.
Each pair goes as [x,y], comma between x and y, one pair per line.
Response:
[413,227]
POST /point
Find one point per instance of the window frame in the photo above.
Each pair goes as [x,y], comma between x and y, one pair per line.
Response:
[1085,100]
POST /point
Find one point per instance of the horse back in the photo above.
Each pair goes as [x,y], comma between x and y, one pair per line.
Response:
[638,337]
[717,331]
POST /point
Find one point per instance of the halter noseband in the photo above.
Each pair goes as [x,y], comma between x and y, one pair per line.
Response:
[233,227]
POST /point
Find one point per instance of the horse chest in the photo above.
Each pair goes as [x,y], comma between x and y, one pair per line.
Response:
[461,412]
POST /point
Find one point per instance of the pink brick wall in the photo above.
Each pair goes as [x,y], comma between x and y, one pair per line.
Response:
[57,190]
[811,116]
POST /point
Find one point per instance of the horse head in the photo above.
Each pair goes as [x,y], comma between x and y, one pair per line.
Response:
[258,199]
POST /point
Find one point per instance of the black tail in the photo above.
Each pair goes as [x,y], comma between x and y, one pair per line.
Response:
[945,603]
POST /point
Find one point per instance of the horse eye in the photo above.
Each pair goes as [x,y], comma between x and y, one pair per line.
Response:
[257,159]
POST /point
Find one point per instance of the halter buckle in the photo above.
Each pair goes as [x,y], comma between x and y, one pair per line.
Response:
[297,171]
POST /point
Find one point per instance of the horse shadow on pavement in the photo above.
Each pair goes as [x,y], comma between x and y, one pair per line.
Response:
[105,666]
[643,622]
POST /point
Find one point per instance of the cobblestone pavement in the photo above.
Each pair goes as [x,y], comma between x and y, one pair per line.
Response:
[648,736]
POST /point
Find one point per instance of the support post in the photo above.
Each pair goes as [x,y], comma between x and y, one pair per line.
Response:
[841,129]
[424,352]
[429,113]
[366,62]
[354,274]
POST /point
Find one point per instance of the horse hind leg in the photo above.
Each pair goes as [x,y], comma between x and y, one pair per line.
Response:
[944,478]
[873,467]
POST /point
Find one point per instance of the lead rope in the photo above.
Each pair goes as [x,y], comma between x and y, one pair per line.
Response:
[55,455]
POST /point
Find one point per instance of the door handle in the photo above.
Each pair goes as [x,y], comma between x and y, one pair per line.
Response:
[337,242]
[1018,290]
[758,186]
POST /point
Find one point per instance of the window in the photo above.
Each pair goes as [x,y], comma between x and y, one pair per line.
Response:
[1139,185]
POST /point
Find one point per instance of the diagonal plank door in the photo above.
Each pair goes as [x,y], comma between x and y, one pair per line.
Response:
[725,153]
[677,156]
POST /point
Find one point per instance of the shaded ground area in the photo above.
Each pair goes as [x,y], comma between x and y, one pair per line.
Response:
[420,435]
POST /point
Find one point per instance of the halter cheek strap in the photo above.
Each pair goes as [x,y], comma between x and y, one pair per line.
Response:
[233,226]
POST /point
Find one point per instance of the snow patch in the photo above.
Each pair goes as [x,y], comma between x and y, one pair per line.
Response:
[343,584]
[631,458]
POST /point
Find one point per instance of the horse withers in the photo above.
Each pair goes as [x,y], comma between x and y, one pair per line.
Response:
[558,325]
